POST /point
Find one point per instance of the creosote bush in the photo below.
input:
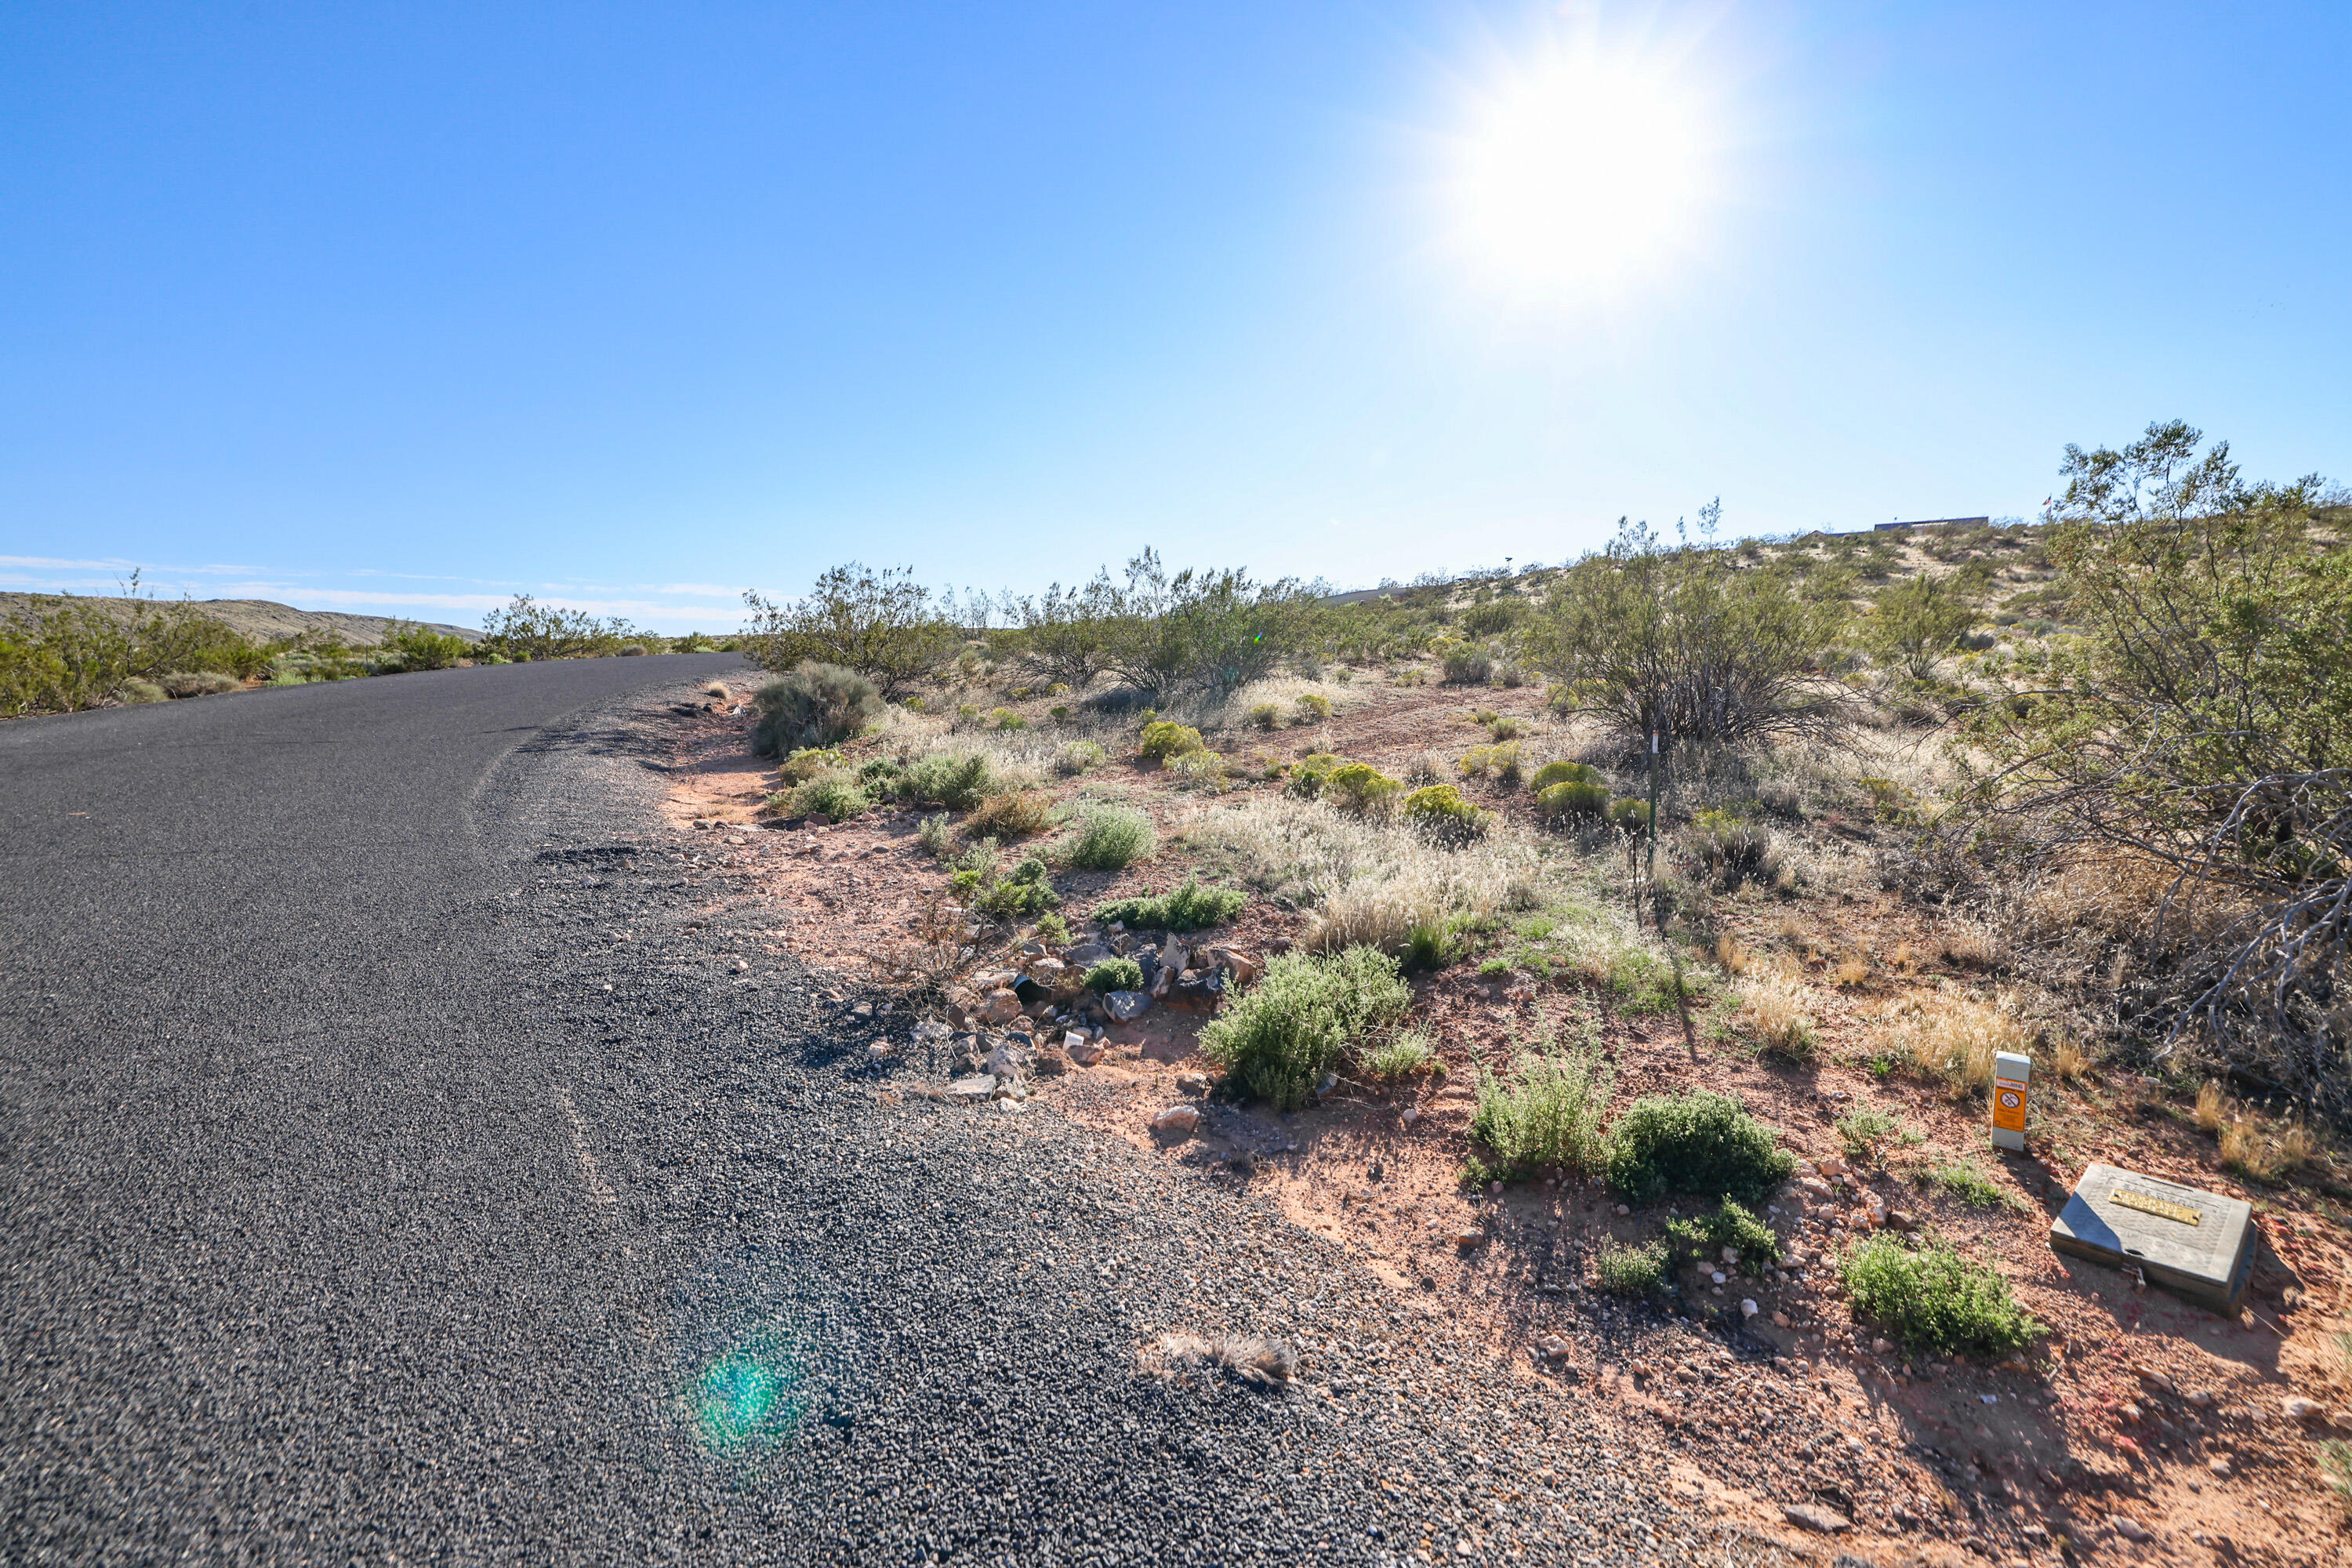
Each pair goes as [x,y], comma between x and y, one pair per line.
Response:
[1700,1142]
[957,780]
[812,705]
[1192,906]
[1932,1298]
[1548,1117]
[1733,1226]
[1302,1020]
[834,792]
[1109,838]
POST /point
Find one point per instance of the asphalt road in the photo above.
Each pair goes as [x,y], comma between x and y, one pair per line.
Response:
[409,1158]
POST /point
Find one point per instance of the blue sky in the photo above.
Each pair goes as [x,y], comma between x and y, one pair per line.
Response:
[403,308]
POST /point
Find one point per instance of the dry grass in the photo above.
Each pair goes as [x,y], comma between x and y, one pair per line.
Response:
[1853,970]
[1731,956]
[1905,957]
[1772,1006]
[1951,1035]
[2071,1061]
[1018,814]
[2212,1106]
[1250,1358]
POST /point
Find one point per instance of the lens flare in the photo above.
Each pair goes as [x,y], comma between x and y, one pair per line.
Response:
[739,1400]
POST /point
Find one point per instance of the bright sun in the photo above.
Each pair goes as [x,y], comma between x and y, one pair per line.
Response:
[1577,173]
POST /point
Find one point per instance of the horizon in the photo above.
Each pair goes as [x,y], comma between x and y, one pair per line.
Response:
[403,314]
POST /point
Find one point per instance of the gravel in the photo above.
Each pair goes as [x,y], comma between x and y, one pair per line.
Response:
[412,1154]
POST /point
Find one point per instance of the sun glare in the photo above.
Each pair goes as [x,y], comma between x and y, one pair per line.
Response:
[1577,173]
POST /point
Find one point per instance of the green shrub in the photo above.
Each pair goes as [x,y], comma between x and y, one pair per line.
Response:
[1116,975]
[1549,1117]
[1731,1226]
[1970,1185]
[1862,1130]
[1440,814]
[2335,1459]
[1052,931]
[1310,776]
[880,775]
[1431,944]
[1203,769]
[978,857]
[1164,737]
[1109,838]
[421,648]
[1934,1300]
[1632,816]
[1190,907]
[1627,1269]
[1302,1019]
[1020,893]
[135,691]
[1361,790]
[1561,802]
[806,764]
[1017,814]
[956,780]
[935,836]
[1007,719]
[1468,665]
[199,683]
[812,705]
[1552,773]
[1313,708]
[1699,1142]
[1403,1053]
[834,792]
[1266,715]
[1733,852]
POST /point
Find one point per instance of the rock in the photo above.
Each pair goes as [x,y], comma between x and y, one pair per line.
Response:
[1191,1083]
[2202,1398]
[1009,1107]
[1330,1082]
[2299,1409]
[1178,1121]
[1009,1060]
[1780,1319]
[1903,1219]
[987,980]
[2219,1465]
[1749,1309]
[2128,1528]
[1126,1006]
[999,1006]
[2156,1380]
[877,1050]
[1244,969]
[1411,1114]
[1469,1237]
[1173,956]
[1731,1255]
[1813,1516]
[977,1087]
[929,1031]
[1813,1186]
[1086,956]
[1623,1209]
[1880,1347]
[1052,1062]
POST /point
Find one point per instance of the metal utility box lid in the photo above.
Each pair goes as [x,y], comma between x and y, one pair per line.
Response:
[2196,1244]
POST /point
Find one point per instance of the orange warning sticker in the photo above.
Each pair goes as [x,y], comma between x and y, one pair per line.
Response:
[2009,1105]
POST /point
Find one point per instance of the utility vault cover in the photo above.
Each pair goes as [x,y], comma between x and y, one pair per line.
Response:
[2196,1244]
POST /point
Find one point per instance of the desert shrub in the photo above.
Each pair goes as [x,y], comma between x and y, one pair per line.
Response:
[1007,719]
[1302,1019]
[812,705]
[1552,773]
[1548,1117]
[1203,769]
[1018,894]
[1476,763]
[1440,814]
[1700,1142]
[631,650]
[1164,737]
[1772,1009]
[1109,838]
[1266,716]
[526,629]
[1468,665]
[1116,975]
[1401,1055]
[1507,767]
[1361,790]
[1863,1129]
[1191,906]
[880,624]
[1917,622]
[1078,756]
[1731,1226]
[1932,1298]
[1313,708]
[1017,814]
[1682,643]
[1630,1269]
[1492,618]
[2333,1456]
[64,654]
[979,857]
[421,648]
[199,683]
[807,763]
[1310,776]
[957,780]
[135,691]
[1630,816]
[935,836]
[1569,801]
[833,792]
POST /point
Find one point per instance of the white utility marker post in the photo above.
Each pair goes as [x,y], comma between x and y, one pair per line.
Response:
[2011,1074]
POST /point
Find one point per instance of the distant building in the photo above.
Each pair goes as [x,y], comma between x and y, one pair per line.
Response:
[1931,522]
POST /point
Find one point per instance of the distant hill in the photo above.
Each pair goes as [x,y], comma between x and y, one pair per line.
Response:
[258,618]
